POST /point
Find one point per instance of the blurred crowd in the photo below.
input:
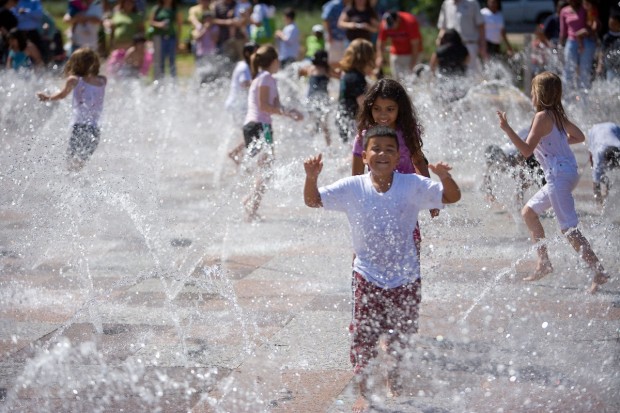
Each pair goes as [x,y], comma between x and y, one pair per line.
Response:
[580,40]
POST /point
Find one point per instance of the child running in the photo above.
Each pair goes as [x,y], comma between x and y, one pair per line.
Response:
[82,71]
[263,101]
[318,74]
[357,63]
[550,135]
[382,208]
[237,100]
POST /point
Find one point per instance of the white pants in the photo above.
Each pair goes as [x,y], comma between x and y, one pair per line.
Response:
[557,193]
[401,66]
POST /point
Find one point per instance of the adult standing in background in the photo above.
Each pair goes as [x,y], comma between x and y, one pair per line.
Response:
[225,18]
[334,35]
[577,58]
[464,16]
[402,30]
[495,29]
[166,21]
[359,20]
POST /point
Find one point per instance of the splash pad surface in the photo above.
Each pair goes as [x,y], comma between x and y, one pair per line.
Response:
[136,285]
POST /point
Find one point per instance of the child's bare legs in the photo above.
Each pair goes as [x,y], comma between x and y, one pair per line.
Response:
[537,233]
[582,246]
[325,129]
[74,163]
[361,404]
[252,201]
[236,153]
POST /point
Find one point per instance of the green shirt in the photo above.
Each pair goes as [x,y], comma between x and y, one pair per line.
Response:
[126,26]
[162,14]
[313,45]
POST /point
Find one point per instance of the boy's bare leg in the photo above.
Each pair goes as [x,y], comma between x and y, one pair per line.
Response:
[393,384]
[582,246]
[361,404]
[537,233]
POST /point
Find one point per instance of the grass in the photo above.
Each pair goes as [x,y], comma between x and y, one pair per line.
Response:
[185,61]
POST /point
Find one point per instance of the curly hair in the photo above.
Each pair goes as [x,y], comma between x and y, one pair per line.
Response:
[407,118]
[83,62]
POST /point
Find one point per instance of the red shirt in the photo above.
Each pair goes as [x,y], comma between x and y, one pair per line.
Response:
[402,35]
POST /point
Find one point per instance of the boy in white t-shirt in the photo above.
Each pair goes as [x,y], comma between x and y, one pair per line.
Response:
[382,207]
[288,39]
[604,148]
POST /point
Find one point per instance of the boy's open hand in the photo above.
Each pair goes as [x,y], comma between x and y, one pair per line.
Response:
[441,169]
[313,166]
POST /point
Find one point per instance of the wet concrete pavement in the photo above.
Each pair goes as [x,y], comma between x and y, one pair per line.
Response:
[183,311]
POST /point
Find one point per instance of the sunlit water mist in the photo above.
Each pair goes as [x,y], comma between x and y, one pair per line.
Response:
[158,209]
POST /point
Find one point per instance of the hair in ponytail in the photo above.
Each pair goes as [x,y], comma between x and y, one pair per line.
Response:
[262,59]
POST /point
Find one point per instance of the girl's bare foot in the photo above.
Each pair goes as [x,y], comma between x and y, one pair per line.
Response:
[600,278]
[542,270]
[361,405]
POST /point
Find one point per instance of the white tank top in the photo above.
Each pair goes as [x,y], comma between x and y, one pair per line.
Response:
[87,103]
[554,153]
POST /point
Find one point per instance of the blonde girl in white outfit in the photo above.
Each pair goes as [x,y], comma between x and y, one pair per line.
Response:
[82,71]
[550,135]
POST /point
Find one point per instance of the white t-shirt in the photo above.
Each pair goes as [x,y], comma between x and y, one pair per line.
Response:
[264,78]
[382,224]
[262,11]
[493,25]
[600,137]
[464,17]
[289,43]
[237,99]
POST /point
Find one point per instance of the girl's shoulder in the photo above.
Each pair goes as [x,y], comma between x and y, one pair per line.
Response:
[72,80]
[544,122]
[97,80]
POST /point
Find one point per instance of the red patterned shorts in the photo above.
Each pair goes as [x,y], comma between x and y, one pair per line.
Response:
[391,312]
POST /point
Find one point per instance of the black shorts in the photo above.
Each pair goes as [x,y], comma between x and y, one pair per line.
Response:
[255,135]
[83,142]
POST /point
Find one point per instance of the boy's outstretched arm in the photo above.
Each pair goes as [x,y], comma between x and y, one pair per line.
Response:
[451,191]
[313,167]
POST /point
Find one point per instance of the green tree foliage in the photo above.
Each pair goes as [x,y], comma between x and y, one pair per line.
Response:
[427,8]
